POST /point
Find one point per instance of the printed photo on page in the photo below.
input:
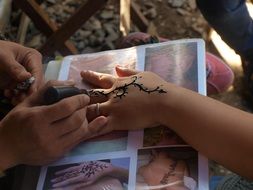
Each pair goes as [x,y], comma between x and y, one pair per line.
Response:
[89,175]
[167,168]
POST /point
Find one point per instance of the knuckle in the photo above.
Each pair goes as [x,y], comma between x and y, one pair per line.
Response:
[80,101]
[67,106]
[31,52]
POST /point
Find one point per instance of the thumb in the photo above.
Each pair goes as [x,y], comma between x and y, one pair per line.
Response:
[125,72]
[15,70]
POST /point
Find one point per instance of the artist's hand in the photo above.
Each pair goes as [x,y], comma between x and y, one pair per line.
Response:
[82,175]
[130,102]
[37,134]
[18,63]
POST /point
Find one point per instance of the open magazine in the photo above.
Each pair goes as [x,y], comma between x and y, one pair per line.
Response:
[154,158]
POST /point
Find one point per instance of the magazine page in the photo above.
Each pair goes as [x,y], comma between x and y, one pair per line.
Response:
[127,160]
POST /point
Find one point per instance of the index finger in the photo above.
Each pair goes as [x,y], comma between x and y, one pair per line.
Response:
[32,61]
[98,79]
[65,107]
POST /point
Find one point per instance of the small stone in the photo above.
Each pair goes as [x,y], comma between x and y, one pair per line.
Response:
[95,23]
[197,28]
[149,4]
[176,3]
[192,4]
[107,46]
[106,14]
[150,13]
[81,45]
[88,50]
[100,33]
[93,41]
[110,7]
[108,27]
[180,31]
[85,33]
[51,1]
[182,12]
[35,41]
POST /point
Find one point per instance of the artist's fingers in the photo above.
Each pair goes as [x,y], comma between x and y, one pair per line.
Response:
[124,72]
[95,127]
[32,61]
[85,132]
[14,69]
[65,107]
[70,123]
[98,79]
[38,97]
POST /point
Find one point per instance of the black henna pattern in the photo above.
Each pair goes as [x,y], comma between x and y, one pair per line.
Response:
[92,168]
[88,170]
[123,90]
[172,168]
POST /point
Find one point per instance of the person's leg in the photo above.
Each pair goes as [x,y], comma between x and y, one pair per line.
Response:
[231,19]
[219,74]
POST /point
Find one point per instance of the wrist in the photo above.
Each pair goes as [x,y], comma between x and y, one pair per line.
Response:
[167,104]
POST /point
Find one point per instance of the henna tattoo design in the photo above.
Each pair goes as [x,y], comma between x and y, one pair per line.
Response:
[92,168]
[123,90]
[88,170]
[171,172]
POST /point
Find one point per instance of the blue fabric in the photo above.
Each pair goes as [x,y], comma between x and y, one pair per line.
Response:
[234,182]
[214,181]
[231,19]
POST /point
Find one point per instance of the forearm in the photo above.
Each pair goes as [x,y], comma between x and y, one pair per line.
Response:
[220,132]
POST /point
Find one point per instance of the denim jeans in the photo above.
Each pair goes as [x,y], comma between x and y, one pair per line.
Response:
[231,19]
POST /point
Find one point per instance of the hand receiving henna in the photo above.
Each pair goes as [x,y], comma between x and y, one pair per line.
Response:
[130,103]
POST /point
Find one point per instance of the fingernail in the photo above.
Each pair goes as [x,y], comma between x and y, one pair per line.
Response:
[121,67]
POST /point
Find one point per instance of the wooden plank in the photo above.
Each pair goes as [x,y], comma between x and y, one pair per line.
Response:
[42,21]
[22,29]
[138,18]
[125,16]
[72,24]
